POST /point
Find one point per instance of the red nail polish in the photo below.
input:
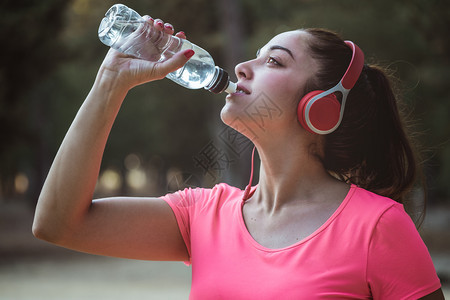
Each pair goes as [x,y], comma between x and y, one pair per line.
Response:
[189,53]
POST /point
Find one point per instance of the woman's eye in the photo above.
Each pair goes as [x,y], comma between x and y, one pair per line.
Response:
[273,61]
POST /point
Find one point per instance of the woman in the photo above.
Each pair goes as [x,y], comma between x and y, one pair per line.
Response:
[306,231]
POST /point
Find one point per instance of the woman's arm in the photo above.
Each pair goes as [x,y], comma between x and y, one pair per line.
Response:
[123,227]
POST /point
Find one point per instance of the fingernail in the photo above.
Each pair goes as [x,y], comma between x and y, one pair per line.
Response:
[168,26]
[189,53]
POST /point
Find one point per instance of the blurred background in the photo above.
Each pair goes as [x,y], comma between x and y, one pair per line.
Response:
[167,137]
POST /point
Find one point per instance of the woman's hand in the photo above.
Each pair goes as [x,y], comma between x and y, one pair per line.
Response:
[127,72]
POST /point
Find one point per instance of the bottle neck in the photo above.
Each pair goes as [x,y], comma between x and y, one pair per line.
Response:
[221,82]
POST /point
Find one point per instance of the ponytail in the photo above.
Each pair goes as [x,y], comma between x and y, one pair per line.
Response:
[372,145]
[371,148]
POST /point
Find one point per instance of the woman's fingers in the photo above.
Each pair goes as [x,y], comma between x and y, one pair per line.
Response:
[148,19]
[181,35]
[174,63]
[168,28]
[159,24]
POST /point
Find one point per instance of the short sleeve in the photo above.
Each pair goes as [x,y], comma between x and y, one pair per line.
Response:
[183,205]
[399,265]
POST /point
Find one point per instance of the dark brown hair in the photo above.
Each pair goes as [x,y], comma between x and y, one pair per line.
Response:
[371,148]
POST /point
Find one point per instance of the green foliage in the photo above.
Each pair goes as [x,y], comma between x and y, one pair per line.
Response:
[53,53]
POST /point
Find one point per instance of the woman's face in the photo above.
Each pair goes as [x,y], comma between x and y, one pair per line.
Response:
[270,86]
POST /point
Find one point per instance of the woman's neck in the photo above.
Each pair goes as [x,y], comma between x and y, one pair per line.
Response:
[290,172]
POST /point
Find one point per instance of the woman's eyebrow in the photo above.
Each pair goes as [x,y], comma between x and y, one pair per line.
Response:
[277,47]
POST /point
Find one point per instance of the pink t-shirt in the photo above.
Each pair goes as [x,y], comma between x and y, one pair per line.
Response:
[368,249]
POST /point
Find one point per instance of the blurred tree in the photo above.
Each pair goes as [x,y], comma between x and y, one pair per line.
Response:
[430,21]
[30,51]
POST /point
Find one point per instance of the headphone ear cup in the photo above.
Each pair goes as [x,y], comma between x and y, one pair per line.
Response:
[323,113]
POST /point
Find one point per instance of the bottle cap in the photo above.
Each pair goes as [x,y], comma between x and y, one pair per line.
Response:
[220,82]
[231,88]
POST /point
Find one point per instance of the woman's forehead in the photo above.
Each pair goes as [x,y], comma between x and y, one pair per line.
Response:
[293,40]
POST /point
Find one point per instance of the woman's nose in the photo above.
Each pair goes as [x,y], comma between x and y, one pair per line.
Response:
[243,70]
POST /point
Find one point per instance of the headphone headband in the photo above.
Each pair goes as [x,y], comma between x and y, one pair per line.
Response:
[354,69]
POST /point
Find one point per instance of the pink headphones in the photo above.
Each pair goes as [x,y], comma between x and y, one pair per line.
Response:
[320,111]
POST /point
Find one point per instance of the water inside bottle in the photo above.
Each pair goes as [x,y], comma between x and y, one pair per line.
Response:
[197,72]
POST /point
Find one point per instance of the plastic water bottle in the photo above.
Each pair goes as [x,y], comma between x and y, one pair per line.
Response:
[126,31]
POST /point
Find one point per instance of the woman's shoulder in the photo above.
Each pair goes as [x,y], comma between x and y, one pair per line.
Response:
[372,215]
[368,200]
[223,193]
[194,196]
[225,188]
[372,207]
[219,191]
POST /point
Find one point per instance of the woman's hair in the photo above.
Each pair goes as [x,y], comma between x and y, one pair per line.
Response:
[371,147]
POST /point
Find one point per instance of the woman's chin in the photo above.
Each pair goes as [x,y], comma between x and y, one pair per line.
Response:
[228,115]
[239,121]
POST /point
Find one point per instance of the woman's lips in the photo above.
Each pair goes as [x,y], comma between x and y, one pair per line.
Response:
[241,89]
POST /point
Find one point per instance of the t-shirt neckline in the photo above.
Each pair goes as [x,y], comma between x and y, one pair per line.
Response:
[257,245]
